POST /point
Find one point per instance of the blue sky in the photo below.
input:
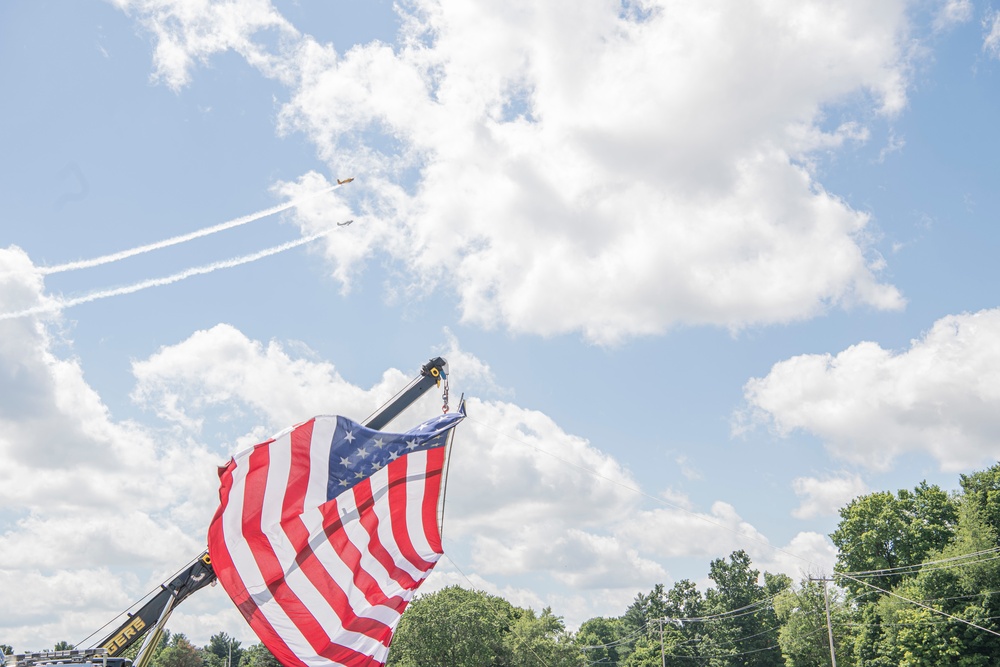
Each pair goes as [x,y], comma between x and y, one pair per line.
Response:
[705,274]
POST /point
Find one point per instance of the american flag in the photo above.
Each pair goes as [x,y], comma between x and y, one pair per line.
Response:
[325,532]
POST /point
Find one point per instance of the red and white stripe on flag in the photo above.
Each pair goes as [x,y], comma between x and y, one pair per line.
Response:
[325,532]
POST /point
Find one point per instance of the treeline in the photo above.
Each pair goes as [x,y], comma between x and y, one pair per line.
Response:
[174,650]
[916,584]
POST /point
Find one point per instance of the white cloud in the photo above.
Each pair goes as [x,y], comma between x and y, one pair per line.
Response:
[30,596]
[87,499]
[501,151]
[953,12]
[871,405]
[824,497]
[674,533]
[222,366]
[991,43]
[578,559]
[807,553]
[190,31]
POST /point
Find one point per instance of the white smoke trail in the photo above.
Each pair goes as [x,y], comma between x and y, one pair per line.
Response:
[166,243]
[157,282]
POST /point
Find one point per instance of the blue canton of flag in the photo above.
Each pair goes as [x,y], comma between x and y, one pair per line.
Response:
[357,453]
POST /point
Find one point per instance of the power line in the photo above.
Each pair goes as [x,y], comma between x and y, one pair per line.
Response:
[900,569]
[920,604]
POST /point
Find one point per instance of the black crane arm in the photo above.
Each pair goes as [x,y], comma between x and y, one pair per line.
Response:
[197,575]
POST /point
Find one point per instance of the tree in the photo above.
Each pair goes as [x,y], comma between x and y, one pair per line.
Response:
[605,636]
[645,611]
[542,639]
[258,656]
[804,636]
[684,600]
[223,651]
[882,531]
[454,627]
[63,646]
[179,653]
[6,649]
[683,641]
[982,492]
[645,653]
[746,627]
[903,534]
[961,585]
[649,621]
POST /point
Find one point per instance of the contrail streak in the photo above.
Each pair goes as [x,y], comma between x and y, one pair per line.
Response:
[157,282]
[166,243]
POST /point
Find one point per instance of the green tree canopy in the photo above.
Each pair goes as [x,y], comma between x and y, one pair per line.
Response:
[179,652]
[455,627]
[982,493]
[745,626]
[882,531]
[804,636]
[221,647]
[606,635]
[258,656]
[542,640]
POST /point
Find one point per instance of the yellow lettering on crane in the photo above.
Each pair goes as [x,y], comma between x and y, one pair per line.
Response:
[118,642]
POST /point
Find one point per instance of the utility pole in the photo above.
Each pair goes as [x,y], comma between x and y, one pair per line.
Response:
[663,653]
[829,625]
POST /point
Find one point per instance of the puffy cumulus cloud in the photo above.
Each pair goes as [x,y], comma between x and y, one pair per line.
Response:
[516,468]
[222,366]
[446,574]
[823,497]
[676,532]
[53,542]
[613,171]
[30,596]
[278,384]
[807,554]
[579,559]
[86,498]
[59,446]
[871,405]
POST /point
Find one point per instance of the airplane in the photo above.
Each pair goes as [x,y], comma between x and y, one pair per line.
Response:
[345,181]
[344,224]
